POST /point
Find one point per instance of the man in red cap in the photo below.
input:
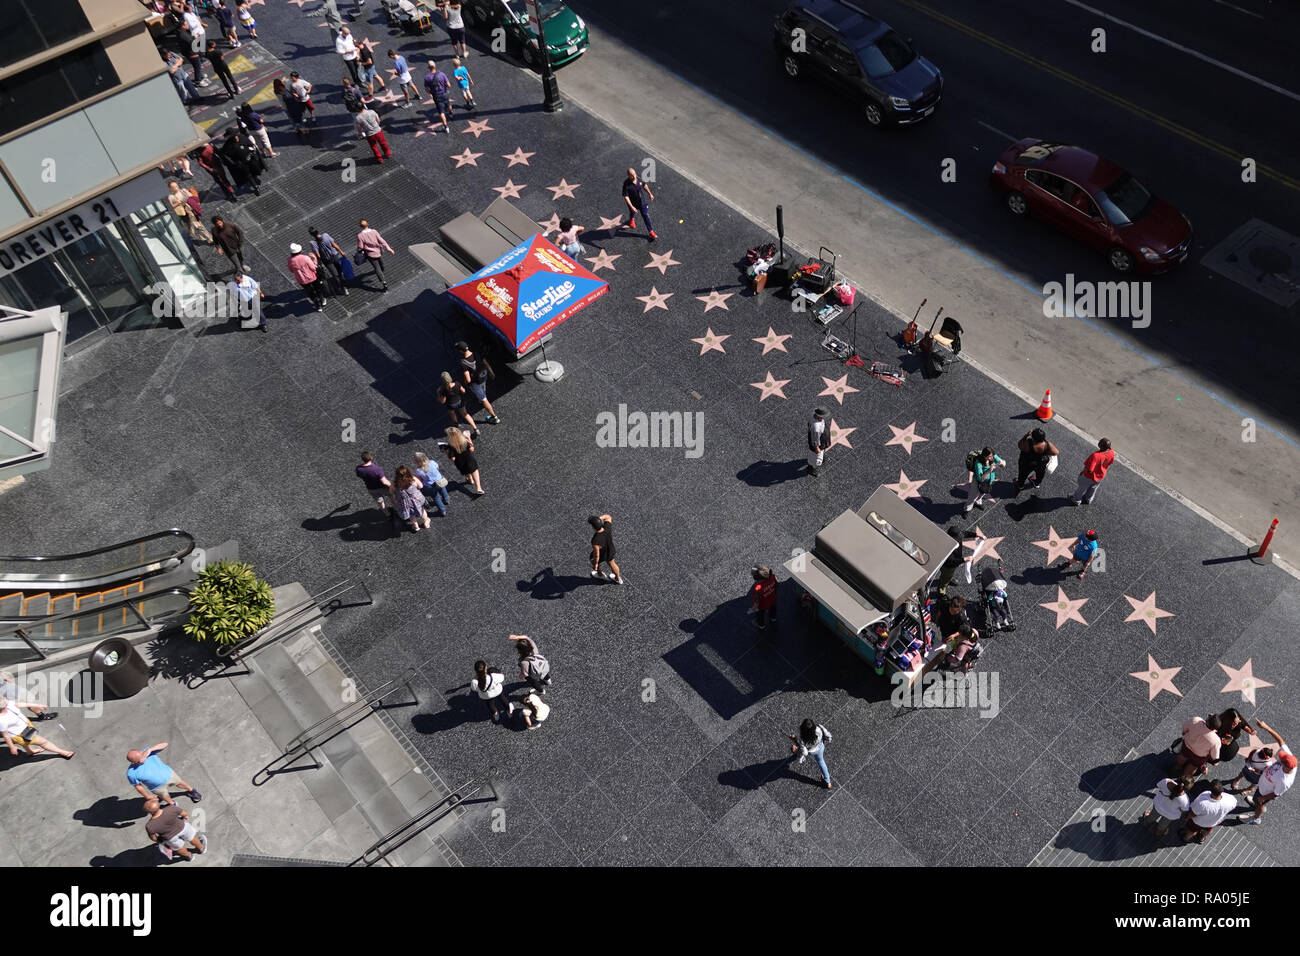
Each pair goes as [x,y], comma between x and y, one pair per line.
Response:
[1277,777]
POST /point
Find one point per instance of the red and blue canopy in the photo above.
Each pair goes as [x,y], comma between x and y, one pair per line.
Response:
[527,292]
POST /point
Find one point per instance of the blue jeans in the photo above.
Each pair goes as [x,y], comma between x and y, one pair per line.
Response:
[439,497]
[818,753]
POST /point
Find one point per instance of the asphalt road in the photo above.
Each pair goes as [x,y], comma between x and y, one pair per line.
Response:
[1015,68]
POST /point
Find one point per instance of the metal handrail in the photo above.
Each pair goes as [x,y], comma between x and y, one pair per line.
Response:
[127,602]
[70,582]
[326,727]
[378,851]
[289,622]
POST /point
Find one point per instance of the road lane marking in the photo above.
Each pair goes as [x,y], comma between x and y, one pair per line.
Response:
[1249,13]
[1235,156]
[1189,51]
[993,129]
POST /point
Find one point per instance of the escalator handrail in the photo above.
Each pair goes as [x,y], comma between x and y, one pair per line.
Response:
[176,532]
[68,582]
[8,632]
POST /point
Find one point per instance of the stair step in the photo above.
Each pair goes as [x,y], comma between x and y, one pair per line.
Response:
[11,605]
[38,605]
[292,687]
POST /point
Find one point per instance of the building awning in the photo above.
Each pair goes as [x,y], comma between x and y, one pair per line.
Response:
[31,352]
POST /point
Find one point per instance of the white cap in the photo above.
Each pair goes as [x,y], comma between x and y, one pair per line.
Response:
[295,248]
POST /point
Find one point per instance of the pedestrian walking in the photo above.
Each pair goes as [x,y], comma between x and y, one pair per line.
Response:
[302,266]
[1036,453]
[1171,802]
[490,685]
[330,256]
[17,731]
[1276,778]
[535,710]
[377,484]
[346,47]
[811,741]
[1094,470]
[452,394]
[195,37]
[567,238]
[222,71]
[300,89]
[762,596]
[372,245]
[211,161]
[460,73]
[370,75]
[151,777]
[819,439]
[404,82]
[533,666]
[634,195]
[229,240]
[353,101]
[602,548]
[246,296]
[245,12]
[460,449]
[1201,744]
[330,11]
[177,166]
[292,107]
[439,89]
[453,16]
[171,829]
[368,128]
[226,18]
[185,87]
[243,160]
[475,371]
[184,201]
[952,562]
[1206,812]
[433,483]
[409,499]
[983,473]
[1085,549]
[254,124]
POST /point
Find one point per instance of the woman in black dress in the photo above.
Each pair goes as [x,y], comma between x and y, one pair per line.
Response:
[460,449]
[1231,726]
[602,548]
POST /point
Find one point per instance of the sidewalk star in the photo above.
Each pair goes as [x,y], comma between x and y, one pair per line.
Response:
[510,190]
[603,260]
[662,261]
[1055,545]
[550,225]
[712,342]
[466,158]
[772,341]
[906,487]
[837,388]
[840,436]
[984,547]
[1158,678]
[771,386]
[1242,679]
[655,300]
[1147,612]
[517,158]
[478,128]
[715,300]
[611,223]
[1066,609]
[564,189]
[905,437]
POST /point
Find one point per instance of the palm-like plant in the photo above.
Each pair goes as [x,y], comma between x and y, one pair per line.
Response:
[229,602]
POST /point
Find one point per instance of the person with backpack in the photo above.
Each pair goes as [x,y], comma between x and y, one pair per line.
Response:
[1035,454]
[475,372]
[332,257]
[811,741]
[533,667]
[762,596]
[490,685]
[982,466]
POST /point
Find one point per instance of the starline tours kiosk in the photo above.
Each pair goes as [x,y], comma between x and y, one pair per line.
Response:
[867,579]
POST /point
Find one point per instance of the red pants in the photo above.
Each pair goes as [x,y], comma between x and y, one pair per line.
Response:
[377,142]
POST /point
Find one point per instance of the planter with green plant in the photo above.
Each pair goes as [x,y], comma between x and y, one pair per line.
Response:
[229,603]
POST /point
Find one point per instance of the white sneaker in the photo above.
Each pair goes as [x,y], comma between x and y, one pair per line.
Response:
[595,574]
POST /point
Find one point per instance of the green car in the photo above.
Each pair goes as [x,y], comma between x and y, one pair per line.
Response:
[566,34]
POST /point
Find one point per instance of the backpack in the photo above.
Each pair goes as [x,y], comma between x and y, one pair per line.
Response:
[760,252]
[971,458]
[539,666]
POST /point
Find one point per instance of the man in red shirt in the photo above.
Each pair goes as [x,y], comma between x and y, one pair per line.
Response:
[762,597]
[1094,470]
[303,267]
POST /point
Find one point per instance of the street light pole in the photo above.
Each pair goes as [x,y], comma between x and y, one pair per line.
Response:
[551,101]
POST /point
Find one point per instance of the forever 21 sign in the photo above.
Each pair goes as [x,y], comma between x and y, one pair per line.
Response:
[38,241]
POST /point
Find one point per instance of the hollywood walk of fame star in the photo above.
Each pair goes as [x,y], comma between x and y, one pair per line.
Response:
[840,436]
[429,128]
[655,300]
[715,300]
[1242,679]
[603,260]
[837,388]
[509,190]
[388,96]
[906,437]
[517,158]
[907,487]
[550,225]
[1158,678]
[466,158]
[772,341]
[1146,611]
[662,261]
[712,342]
[984,547]
[478,128]
[1055,545]
[300,3]
[771,386]
[1066,609]
[564,189]
[611,223]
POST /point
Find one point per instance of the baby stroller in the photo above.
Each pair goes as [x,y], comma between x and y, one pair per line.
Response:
[995,600]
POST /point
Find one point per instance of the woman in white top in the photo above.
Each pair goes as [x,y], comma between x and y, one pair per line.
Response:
[455,27]
[811,741]
[567,240]
[490,685]
[1171,803]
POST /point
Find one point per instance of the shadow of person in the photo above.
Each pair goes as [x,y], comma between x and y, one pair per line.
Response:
[1120,840]
[463,708]
[368,525]
[758,774]
[546,585]
[138,857]
[1138,780]
[765,474]
[112,813]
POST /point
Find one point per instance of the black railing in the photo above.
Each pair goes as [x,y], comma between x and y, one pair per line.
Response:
[23,635]
[393,840]
[142,566]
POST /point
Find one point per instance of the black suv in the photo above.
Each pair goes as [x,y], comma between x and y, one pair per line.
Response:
[855,52]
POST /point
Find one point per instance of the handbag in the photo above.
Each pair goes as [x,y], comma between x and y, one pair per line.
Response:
[192,201]
[359,257]
[441,483]
[1051,464]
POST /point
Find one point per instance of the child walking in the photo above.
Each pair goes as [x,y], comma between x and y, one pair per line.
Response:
[464,81]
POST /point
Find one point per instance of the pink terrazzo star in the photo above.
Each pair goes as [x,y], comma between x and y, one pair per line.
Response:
[466,158]
[840,436]
[517,158]
[772,341]
[510,190]
[603,260]
[1066,609]
[711,342]
[1055,545]
[907,487]
[611,223]
[837,388]
[429,129]
[662,261]
[564,189]
[715,300]
[771,386]
[1242,679]
[1158,678]
[550,225]
[984,547]
[1146,611]
[906,437]
[477,128]
[655,300]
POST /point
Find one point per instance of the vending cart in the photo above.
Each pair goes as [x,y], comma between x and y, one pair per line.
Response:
[867,579]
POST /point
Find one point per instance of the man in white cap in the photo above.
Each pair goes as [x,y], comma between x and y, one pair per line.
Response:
[303,267]
[819,439]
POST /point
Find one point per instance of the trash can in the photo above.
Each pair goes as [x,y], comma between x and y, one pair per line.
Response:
[125,672]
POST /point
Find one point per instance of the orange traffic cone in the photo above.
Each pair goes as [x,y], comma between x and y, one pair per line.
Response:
[1045,410]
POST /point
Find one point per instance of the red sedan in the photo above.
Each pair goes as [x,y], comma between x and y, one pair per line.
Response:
[1093,200]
